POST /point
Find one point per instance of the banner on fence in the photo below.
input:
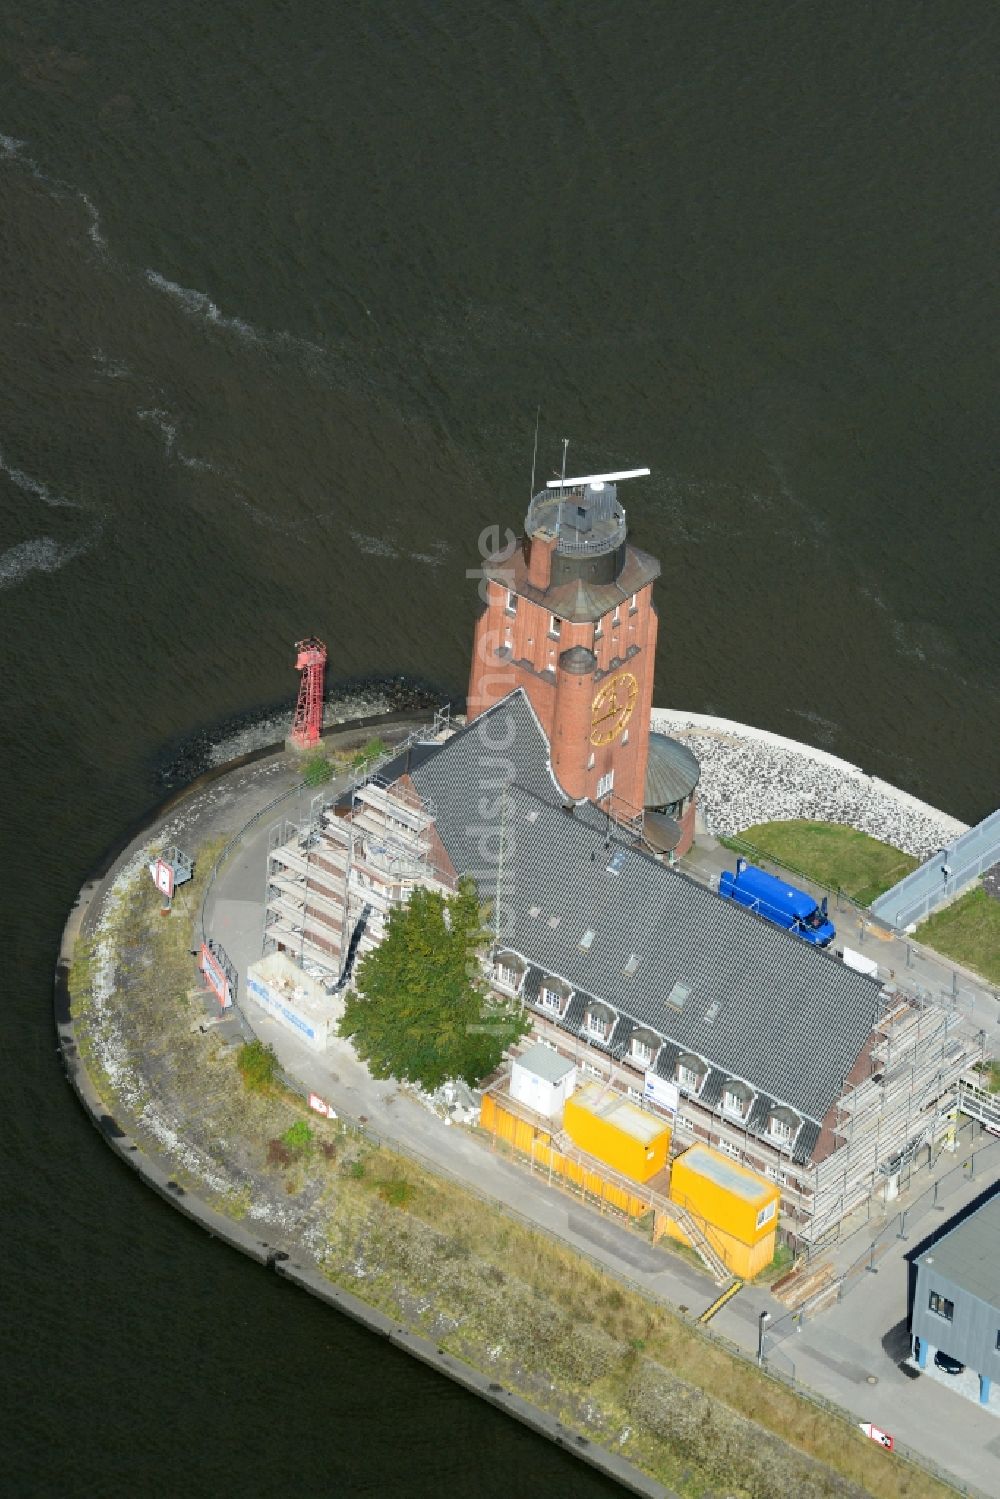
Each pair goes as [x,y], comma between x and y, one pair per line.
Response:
[216,976]
[320,1106]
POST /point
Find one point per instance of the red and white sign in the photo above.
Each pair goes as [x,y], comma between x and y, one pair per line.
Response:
[163,877]
[877,1435]
[215,976]
[320,1106]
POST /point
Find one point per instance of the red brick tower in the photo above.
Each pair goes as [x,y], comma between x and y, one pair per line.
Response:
[569,617]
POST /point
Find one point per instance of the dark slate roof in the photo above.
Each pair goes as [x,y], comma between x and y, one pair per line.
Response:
[672,772]
[790,1021]
[580,600]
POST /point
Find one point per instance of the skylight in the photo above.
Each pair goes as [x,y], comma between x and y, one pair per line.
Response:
[554,921]
[617,861]
[631,965]
[678,995]
[587,938]
[531,815]
[711,1012]
[535,911]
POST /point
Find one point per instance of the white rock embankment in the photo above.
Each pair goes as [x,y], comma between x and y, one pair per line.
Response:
[750,776]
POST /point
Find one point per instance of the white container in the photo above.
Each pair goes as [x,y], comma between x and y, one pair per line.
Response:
[542,1080]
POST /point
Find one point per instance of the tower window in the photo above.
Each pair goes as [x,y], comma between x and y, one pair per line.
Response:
[605,784]
[511,605]
[625,737]
[590,762]
[633,605]
[555,626]
[616,618]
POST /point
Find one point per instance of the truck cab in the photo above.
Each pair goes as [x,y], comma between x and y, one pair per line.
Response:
[779,902]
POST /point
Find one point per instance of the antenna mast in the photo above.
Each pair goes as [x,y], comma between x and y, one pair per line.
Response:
[534,456]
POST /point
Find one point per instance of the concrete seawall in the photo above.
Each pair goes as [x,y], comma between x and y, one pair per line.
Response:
[155,1169]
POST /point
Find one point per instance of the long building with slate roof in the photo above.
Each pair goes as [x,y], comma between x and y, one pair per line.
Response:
[555,799]
[631,967]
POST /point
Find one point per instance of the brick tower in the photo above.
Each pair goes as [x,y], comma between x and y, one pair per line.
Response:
[569,617]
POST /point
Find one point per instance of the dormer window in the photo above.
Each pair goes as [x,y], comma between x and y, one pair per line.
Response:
[735,1098]
[643,1048]
[549,997]
[782,1126]
[597,1025]
[690,1072]
[508,975]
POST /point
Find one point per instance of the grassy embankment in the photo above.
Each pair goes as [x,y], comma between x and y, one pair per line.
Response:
[969,931]
[623,1370]
[836,856]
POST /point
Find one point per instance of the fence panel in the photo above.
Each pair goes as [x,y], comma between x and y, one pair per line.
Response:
[942,876]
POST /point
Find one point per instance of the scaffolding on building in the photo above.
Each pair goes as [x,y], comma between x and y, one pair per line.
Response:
[334,879]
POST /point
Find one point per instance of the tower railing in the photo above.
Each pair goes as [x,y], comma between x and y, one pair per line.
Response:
[606,516]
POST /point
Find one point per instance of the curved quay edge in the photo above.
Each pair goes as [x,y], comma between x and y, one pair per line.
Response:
[154,1171]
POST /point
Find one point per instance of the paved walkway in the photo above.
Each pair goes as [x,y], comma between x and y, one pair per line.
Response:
[853,1354]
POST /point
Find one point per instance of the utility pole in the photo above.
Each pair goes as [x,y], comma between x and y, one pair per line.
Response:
[762,1322]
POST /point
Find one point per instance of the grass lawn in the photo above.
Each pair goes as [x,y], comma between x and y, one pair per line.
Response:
[837,856]
[969,931]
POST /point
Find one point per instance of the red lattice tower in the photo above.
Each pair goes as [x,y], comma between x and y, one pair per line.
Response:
[308,720]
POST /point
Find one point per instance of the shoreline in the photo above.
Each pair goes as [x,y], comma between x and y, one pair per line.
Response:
[265,1244]
[284,1259]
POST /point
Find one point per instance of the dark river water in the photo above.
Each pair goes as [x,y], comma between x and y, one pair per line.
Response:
[281,288]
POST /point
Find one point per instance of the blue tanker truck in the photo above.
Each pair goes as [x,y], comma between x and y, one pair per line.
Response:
[778,902]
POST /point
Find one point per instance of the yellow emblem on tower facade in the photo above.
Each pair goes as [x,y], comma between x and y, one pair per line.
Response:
[612,708]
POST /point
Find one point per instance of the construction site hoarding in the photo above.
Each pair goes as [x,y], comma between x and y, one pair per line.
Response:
[535,1143]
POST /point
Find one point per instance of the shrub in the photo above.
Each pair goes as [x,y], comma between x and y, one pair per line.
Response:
[318,771]
[368,752]
[298,1138]
[396,1191]
[258,1065]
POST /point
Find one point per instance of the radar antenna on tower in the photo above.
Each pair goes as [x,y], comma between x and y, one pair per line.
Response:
[308,720]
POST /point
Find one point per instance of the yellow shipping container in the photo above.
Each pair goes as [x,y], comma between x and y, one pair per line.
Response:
[624,1137]
[736,1208]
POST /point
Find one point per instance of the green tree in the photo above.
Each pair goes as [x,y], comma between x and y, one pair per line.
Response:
[422,1011]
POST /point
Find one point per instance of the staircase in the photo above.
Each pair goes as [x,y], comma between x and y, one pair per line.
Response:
[700,1243]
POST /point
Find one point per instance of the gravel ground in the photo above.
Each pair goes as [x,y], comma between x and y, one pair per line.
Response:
[749,777]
